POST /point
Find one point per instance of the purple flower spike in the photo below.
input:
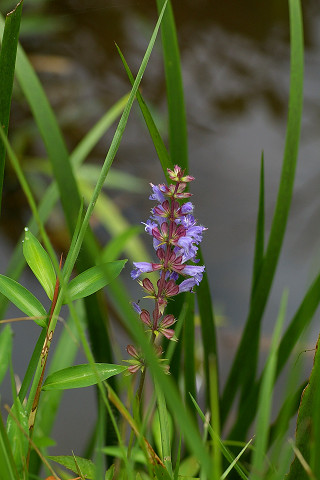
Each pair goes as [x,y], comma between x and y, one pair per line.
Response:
[176,237]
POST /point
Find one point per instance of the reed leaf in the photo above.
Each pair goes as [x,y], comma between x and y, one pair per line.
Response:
[8,53]
[246,354]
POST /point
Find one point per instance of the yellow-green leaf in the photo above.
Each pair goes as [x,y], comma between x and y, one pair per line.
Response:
[39,262]
[87,467]
[93,279]
[23,299]
[80,376]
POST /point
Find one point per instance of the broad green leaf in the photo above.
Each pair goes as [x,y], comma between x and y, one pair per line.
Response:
[23,299]
[18,440]
[39,262]
[93,279]
[87,467]
[5,350]
[7,64]
[80,376]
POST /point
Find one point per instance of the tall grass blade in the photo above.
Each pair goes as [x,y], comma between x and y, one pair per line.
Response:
[265,397]
[224,450]
[208,331]
[189,354]
[7,64]
[246,355]
[175,97]
[259,244]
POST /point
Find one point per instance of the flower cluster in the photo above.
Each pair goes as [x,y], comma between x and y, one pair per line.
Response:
[176,237]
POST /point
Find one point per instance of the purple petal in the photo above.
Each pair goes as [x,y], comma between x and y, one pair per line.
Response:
[193,270]
[157,194]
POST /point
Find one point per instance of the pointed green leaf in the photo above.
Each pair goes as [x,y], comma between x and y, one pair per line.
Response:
[23,299]
[87,467]
[80,376]
[18,440]
[5,350]
[93,279]
[39,262]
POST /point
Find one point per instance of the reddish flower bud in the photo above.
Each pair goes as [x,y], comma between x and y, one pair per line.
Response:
[145,317]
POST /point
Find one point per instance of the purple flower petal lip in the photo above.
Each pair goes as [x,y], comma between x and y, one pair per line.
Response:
[141,267]
[193,270]
[187,208]
[157,193]
[187,285]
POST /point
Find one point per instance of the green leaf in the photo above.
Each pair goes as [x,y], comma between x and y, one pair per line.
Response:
[93,279]
[110,473]
[80,376]
[23,299]
[87,467]
[18,440]
[7,65]
[5,350]
[39,262]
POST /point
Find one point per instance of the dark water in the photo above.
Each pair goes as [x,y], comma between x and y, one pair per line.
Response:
[235,62]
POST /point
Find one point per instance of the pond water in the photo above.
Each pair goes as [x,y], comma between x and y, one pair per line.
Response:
[235,63]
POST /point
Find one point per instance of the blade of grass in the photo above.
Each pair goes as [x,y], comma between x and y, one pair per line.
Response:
[164,428]
[246,355]
[154,132]
[175,97]
[189,354]
[265,397]
[224,450]
[208,331]
[259,244]
[7,64]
